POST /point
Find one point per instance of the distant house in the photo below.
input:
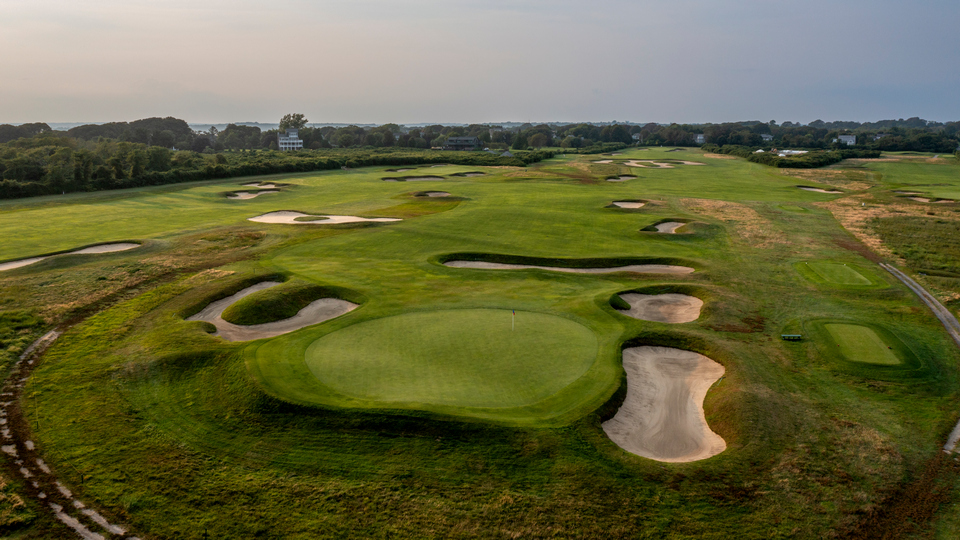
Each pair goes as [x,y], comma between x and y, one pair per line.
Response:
[766,137]
[848,140]
[636,136]
[462,143]
[290,140]
[700,138]
[879,136]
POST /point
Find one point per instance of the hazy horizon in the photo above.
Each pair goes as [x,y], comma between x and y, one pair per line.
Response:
[372,61]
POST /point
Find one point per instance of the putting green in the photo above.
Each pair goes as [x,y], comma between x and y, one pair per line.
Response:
[861,344]
[464,358]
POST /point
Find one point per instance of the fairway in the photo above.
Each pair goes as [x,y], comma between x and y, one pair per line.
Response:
[861,344]
[469,358]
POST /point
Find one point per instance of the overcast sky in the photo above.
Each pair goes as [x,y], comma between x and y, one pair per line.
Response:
[411,61]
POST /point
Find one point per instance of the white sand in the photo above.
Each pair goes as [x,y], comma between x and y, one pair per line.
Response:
[669,227]
[313,313]
[647,164]
[638,268]
[920,199]
[818,190]
[666,308]
[261,186]
[245,195]
[434,194]
[622,178]
[907,192]
[287,217]
[662,416]
[628,204]
[102,248]
[603,161]
[402,170]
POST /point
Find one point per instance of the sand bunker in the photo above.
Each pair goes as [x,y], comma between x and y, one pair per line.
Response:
[621,178]
[313,313]
[907,192]
[287,217]
[628,204]
[245,195]
[92,250]
[638,268]
[433,194]
[669,227]
[666,308]
[647,164]
[604,161]
[818,190]
[415,179]
[662,416]
[261,186]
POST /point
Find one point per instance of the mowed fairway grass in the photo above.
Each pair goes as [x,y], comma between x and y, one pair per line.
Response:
[467,358]
[424,413]
[861,344]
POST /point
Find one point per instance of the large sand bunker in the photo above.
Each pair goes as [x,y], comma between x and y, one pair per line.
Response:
[414,179]
[245,195]
[287,217]
[649,163]
[621,178]
[261,186]
[818,190]
[662,416]
[102,248]
[629,204]
[669,227]
[638,268]
[433,194]
[666,308]
[313,313]
[603,161]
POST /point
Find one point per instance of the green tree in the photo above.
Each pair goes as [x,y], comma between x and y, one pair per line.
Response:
[293,121]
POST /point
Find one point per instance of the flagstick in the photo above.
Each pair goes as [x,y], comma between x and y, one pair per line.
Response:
[513,321]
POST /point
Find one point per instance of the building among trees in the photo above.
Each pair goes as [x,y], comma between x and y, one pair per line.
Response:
[289,140]
[462,143]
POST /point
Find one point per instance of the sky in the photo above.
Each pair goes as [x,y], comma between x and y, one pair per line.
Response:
[467,61]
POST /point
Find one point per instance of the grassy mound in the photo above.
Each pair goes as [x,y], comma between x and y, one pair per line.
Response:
[468,358]
[282,302]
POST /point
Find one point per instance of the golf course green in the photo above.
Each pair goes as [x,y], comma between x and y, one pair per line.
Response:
[428,410]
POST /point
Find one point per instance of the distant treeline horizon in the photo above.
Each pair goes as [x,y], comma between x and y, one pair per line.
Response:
[36,160]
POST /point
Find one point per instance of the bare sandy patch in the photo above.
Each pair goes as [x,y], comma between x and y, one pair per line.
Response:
[666,308]
[662,416]
[669,227]
[637,268]
[246,195]
[719,156]
[313,313]
[818,190]
[102,248]
[629,204]
[746,222]
[919,199]
[287,217]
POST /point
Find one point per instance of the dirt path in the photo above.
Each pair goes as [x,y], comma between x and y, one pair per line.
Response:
[314,313]
[662,416]
[949,322]
[638,268]
[40,481]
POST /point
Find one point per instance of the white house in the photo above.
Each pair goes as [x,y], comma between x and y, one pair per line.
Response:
[700,138]
[766,137]
[848,140]
[290,141]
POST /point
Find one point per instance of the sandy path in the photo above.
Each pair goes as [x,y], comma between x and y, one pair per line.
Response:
[669,227]
[102,248]
[662,416]
[313,313]
[638,268]
[818,190]
[289,218]
[666,308]
[628,204]
[245,195]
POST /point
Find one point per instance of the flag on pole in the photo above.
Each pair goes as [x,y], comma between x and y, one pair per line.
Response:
[513,321]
